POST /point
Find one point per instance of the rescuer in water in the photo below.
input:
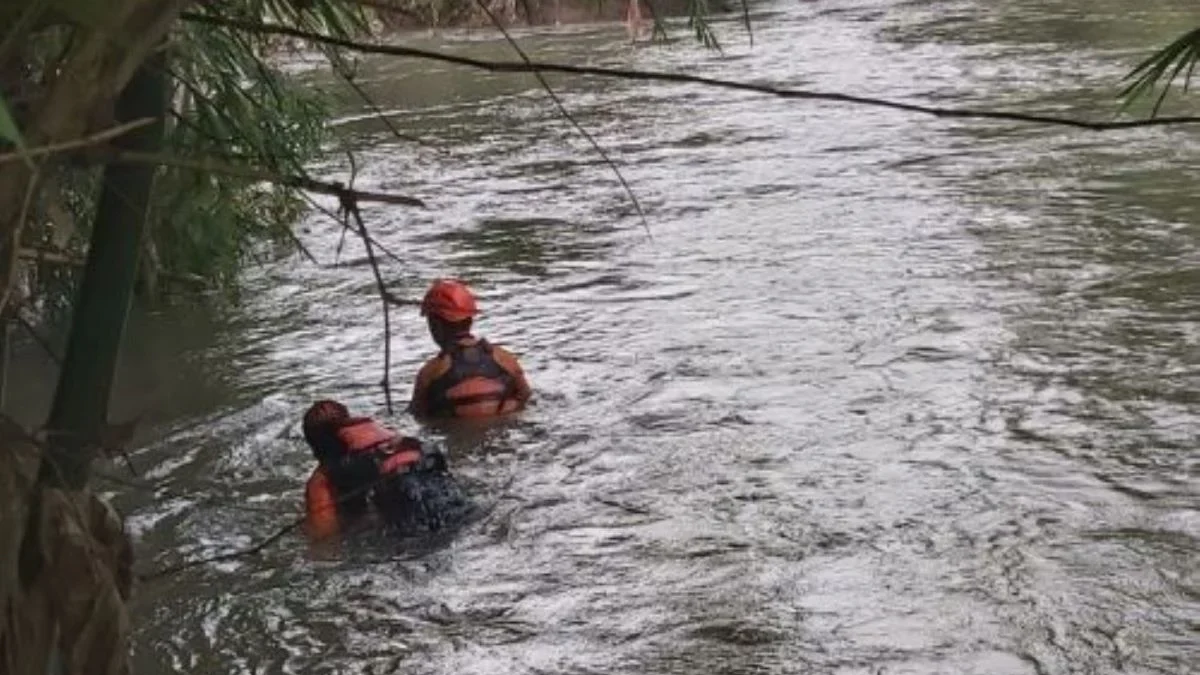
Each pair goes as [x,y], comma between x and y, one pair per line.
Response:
[363,464]
[469,378]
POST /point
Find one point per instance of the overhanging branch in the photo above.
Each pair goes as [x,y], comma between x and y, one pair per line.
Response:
[658,76]
[74,144]
[301,182]
[562,110]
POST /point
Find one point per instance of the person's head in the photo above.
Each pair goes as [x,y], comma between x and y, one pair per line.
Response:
[450,308]
[321,423]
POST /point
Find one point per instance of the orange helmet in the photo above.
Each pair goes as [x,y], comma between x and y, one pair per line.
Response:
[449,300]
[321,417]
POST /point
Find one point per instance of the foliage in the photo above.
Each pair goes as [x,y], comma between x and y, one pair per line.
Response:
[232,105]
[698,13]
[8,126]
[229,103]
[1184,52]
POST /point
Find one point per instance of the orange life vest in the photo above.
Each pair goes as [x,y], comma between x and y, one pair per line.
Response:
[364,435]
[474,377]
[357,436]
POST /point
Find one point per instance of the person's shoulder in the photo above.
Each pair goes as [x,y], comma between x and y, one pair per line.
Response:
[434,362]
[499,348]
[503,355]
[433,367]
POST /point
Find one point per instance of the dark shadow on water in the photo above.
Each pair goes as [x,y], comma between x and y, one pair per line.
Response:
[525,246]
[171,367]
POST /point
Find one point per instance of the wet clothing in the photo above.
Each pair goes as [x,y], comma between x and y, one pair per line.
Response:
[471,378]
[372,460]
[423,501]
[352,461]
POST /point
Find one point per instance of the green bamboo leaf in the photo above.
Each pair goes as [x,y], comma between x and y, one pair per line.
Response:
[1151,61]
[8,126]
[1183,61]
[659,31]
[1182,53]
[746,20]
[1152,68]
[9,130]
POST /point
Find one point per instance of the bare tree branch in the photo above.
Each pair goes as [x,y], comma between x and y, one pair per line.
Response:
[352,81]
[346,228]
[252,173]
[658,76]
[350,210]
[92,139]
[232,555]
[562,109]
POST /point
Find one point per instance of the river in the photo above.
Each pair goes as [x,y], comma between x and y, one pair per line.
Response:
[875,393]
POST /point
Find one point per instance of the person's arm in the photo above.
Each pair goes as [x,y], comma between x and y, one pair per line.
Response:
[320,508]
[522,391]
[418,406]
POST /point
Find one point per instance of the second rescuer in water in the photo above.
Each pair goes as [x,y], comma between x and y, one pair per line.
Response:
[361,463]
[469,377]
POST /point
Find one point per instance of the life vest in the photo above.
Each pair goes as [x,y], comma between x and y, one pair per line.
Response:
[474,377]
[361,436]
[364,435]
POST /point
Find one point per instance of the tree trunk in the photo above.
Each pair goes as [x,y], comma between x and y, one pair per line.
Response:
[65,563]
[6,330]
[66,614]
[64,558]
[80,407]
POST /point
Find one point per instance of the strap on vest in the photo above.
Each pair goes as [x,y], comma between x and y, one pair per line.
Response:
[462,368]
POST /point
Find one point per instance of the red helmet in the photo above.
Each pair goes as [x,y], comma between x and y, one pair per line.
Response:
[449,300]
[323,416]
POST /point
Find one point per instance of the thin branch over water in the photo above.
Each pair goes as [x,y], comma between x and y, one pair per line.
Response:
[661,76]
[349,209]
[562,109]
[252,173]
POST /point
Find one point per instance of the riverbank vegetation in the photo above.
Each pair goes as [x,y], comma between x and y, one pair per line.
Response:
[152,146]
[228,102]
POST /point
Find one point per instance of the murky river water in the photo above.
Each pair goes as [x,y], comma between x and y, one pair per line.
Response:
[883,393]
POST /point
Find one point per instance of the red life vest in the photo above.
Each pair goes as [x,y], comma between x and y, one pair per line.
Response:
[474,377]
[364,435]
